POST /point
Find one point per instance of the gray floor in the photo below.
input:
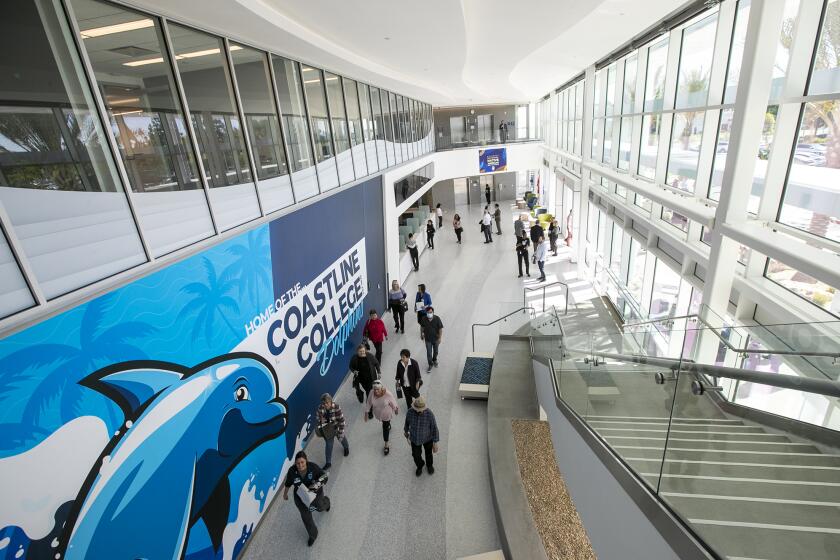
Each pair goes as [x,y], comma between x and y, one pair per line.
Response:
[379,508]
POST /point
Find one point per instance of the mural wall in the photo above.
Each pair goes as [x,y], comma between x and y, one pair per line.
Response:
[156,421]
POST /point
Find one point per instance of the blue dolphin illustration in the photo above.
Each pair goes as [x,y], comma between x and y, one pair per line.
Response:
[167,467]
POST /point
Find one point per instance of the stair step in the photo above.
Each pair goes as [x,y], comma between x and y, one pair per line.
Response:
[752,487]
[676,434]
[677,452]
[738,444]
[691,420]
[820,514]
[739,470]
[599,424]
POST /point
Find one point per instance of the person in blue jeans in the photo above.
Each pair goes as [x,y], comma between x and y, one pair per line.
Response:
[431,332]
[421,301]
[539,255]
[330,414]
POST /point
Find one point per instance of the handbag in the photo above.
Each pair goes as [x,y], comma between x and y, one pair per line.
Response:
[326,431]
[399,392]
[404,304]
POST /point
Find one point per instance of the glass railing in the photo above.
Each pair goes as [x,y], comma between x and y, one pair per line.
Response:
[743,446]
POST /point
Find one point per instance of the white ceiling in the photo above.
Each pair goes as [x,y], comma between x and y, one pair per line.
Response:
[445,52]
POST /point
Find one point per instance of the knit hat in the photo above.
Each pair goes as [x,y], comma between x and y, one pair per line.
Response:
[419,404]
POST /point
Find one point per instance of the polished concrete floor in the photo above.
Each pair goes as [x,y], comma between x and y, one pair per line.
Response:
[380,509]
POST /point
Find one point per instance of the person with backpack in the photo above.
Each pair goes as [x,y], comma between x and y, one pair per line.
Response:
[384,406]
[398,305]
[308,480]
[421,301]
[376,332]
[331,426]
[365,370]
[408,377]
[411,245]
[522,243]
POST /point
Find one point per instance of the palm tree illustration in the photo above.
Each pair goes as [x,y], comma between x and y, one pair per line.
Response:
[67,365]
[210,300]
[252,265]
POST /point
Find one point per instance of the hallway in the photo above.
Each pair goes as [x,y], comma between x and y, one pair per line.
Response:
[379,508]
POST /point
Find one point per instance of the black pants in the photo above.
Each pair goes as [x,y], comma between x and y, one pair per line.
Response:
[458,234]
[306,515]
[498,226]
[398,313]
[386,429]
[487,196]
[523,257]
[418,450]
[430,240]
[378,346]
[488,234]
[408,393]
[415,258]
[440,222]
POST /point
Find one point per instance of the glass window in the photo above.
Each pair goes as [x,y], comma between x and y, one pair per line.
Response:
[655,85]
[209,97]
[356,128]
[138,88]
[825,76]
[253,79]
[642,202]
[399,128]
[599,93]
[389,109]
[319,121]
[14,293]
[597,139]
[616,252]
[636,270]
[370,129]
[736,51]
[649,150]
[685,150]
[675,219]
[624,140]
[666,291]
[629,98]
[608,135]
[782,60]
[610,102]
[384,135]
[579,100]
[812,201]
[295,127]
[698,46]
[592,222]
[803,285]
[343,157]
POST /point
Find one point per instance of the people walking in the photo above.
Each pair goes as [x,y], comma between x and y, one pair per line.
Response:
[439,214]
[421,301]
[553,233]
[331,426]
[522,243]
[398,305]
[408,377]
[487,192]
[486,226]
[411,245]
[539,255]
[430,234]
[431,332]
[365,370]
[536,233]
[421,430]
[456,225]
[497,215]
[376,332]
[308,480]
[384,406]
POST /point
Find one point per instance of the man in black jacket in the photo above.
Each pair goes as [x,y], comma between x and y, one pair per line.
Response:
[312,478]
[522,253]
[365,370]
[536,233]
[408,376]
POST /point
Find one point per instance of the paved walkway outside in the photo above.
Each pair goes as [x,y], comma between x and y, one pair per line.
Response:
[380,510]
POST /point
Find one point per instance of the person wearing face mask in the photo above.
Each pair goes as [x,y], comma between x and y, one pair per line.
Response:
[408,377]
[431,331]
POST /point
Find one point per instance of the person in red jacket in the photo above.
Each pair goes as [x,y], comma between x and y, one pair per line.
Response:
[376,333]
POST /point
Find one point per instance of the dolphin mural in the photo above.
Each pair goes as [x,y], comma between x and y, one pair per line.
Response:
[167,466]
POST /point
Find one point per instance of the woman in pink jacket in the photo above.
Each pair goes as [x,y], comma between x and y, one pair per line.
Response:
[384,406]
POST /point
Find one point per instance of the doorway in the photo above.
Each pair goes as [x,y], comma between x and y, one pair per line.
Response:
[462,195]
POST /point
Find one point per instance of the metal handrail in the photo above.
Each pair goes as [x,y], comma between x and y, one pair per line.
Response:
[523,308]
[526,289]
[825,387]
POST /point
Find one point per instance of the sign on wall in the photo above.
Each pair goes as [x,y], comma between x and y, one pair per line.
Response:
[492,159]
[156,421]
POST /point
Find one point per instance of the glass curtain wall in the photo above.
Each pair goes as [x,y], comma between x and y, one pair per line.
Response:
[393,125]
[319,122]
[338,118]
[356,128]
[384,135]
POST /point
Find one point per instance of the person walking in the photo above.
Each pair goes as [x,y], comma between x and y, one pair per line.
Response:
[539,255]
[497,216]
[456,225]
[398,305]
[408,377]
[553,233]
[421,430]
[411,245]
[430,234]
[522,243]
[487,193]
[439,214]
[331,426]
[431,332]
[486,222]
[536,233]
[308,480]
[421,301]
[376,332]
[365,370]
[384,406]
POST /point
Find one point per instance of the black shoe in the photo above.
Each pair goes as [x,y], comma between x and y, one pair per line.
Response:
[370,414]
[529,275]
[402,330]
[419,470]
[327,508]
[311,540]
[327,466]
[387,450]
[520,276]
[346,451]
[431,469]
[435,363]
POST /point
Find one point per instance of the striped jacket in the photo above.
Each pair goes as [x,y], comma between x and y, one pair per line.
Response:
[330,415]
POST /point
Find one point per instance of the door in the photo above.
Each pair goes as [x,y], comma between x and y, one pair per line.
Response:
[461,192]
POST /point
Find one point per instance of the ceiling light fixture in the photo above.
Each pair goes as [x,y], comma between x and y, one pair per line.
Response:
[144,62]
[117,28]
[194,54]
[127,101]
[134,112]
